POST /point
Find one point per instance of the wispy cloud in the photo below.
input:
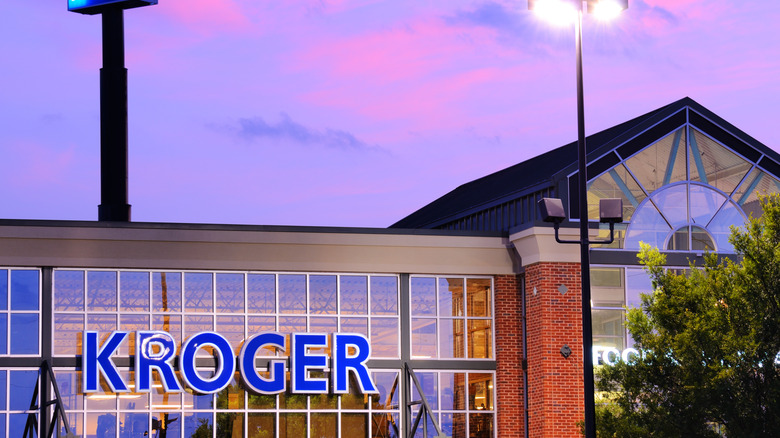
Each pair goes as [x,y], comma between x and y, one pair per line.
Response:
[289,130]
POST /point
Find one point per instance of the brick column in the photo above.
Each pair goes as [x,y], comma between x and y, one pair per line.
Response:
[509,357]
[554,319]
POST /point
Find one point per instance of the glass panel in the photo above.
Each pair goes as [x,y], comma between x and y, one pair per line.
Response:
[133,425]
[673,204]
[705,202]
[354,294]
[69,384]
[232,328]
[291,324]
[292,425]
[322,294]
[3,383]
[701,240]
[430,388]
[354,399]
[386,425]
[104,324]
[21,388]
[387,384]
[423,294]
[165,400]
[619,235]
[166,291]
[170,324]
[384,337]
[131,323]
[679,240]
[199,401]
[101,291]
[721,167]
[616,183]
[323,425]
[607,287]
[757,183]
[355,425]
[230,293]
[198,424]
[232,397]
[719,227]
[661,163]
[480,339]
[481,391]
[196,324]
[261,401]
[605,342]
[424,337]
[134,291]
[230,424]
[355,325]
[637,282]
[262,324]
[132,400]
[170,422]
[3,333]
[454,425]
[4,289]
[608,323]
[24,290]
[322,401]
[291,401]
[453,391]
[648,226]
[24,333]
[451,342]
[292,293]
[76,423]
[261,425]
[68,290]
[384,295]
[323,325]
[480,425]
[198,292]
[261,293]
[479,297]
[451,297]
[101,424]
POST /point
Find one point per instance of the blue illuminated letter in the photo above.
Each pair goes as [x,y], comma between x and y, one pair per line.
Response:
[96,361]
[301,363]
[226,363]
[155,350]
[276,383]
[343,363]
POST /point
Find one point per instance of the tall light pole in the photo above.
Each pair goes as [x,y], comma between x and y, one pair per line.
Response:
[565,11]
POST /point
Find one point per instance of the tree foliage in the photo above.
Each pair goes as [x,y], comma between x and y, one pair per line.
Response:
[709,340]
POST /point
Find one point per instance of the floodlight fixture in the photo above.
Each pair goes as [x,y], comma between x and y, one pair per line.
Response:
[551,210]
[611,210]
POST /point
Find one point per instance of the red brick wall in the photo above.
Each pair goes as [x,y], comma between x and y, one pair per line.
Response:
[554,319]
[509,357]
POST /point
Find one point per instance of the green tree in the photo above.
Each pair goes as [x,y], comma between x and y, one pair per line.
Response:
[709,339]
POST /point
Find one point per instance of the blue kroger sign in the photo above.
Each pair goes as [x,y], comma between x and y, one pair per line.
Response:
[156,351]
[98,6]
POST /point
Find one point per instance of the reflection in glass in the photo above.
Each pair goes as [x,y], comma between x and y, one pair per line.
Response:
[167,422]
[423,294]
[292,425]
[101,424]
[450,297]
[133,425]
[606,287]
[292,293]
[261,293]
[198,424]
[424,337]
[4,290]
[481,425]
[261,425]
[616,183]
[637,282]
[131,323]
[262,324]
[479,297]
[322,294]
[480,339]
[101,291]
[481,391]
[454,425]
[198,292]
[169,323]
[757,183]
[608,322]
[354,399]
[230,293]
[384,295]
[355,425]
[3,333]
[323,425]
[232,328]
[662,163]
[647,226]
[354,294]
[355,325]
[134,291]
[673,204]
[430,388]
[721,226]
[196,324]
[384,337]
[325,325]
[715,165]
[24,290]
[230,424]
[705,202]
[261,401]
[68,290]
[232,397]
[388,386]
[3,383]
[453,391]
[451,343]
[291,401]
[166,291]
[386,425]
[24,333]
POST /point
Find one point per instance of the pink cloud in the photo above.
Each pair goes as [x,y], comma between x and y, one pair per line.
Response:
[206,16]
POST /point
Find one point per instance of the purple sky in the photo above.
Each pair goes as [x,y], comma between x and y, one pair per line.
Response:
[348,112]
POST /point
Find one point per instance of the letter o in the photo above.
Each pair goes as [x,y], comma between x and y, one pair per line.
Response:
[226,362]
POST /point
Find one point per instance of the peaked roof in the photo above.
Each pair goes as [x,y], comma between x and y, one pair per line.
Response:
[543,170]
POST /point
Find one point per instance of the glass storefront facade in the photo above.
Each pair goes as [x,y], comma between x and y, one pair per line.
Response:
[449,326]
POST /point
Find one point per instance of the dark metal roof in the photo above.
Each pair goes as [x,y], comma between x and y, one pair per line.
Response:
[543,171]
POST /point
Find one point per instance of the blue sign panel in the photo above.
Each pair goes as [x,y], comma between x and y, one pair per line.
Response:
[98,6]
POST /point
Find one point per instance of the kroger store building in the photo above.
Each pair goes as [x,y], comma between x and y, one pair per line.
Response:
[458,312]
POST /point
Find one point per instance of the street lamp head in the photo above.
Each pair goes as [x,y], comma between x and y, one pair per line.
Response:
[611,210]
[606,10]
